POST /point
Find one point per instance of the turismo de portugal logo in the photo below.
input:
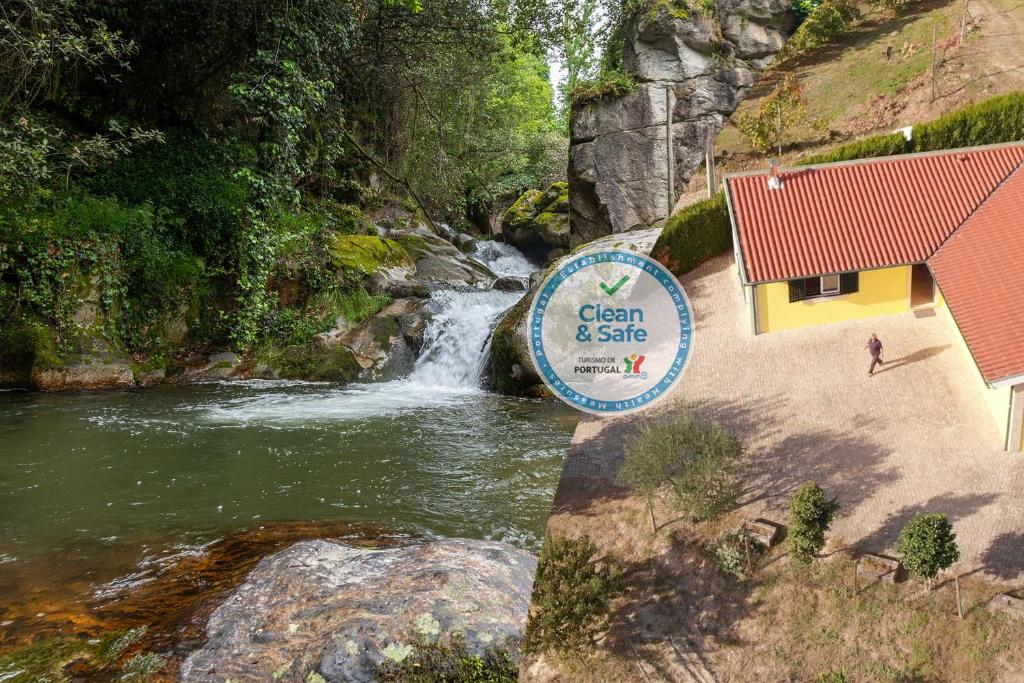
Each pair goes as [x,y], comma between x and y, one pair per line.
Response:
[610,332]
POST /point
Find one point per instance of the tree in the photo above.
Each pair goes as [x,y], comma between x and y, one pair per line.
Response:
[927,546]
[697,458]
[769,127]
[571,595]
[810,515]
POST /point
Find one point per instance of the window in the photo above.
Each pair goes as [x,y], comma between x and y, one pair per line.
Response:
[832,284]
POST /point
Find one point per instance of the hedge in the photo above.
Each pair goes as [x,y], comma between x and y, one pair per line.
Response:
[694,234]
[1000,119]
[702,230]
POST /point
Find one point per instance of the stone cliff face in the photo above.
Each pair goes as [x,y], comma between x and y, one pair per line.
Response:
[618,160]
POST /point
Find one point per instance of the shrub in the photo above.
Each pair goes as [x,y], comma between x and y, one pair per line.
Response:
[877,146]
[571,595]
[452,663]
[810,514]
[994,121]
[612,83]
[698,459]
[694,234]
[767,128]
[825,23]
[927,546]
[734,553]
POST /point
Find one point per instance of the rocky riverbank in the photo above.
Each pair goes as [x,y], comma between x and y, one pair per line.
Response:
[320,610]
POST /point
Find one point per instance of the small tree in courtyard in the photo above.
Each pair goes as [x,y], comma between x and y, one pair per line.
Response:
[698,459]
[927,546]
[571,594]
[810,515]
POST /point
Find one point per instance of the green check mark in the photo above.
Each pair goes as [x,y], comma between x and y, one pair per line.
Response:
[614,288]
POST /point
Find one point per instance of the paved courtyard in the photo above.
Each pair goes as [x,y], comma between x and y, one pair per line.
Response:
[915,437]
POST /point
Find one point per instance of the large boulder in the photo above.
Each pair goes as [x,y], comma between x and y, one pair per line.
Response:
[538,222]
[511,369]
[694,68]
[324,611]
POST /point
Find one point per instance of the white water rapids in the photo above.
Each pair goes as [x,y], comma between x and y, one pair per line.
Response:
[449,370]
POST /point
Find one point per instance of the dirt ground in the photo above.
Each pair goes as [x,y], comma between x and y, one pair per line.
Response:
[806,410]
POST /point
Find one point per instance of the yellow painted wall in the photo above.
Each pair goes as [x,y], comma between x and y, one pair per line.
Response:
[996,400]
[880,292]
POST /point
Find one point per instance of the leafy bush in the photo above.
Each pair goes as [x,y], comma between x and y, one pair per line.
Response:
[698,459]
[777,114]
[613,83]
[571,595]
[997,120]
[451,663]
[803,8]
[823,26]
[927,546]
[734,552]
[694,234]
[877,146]
[810,514]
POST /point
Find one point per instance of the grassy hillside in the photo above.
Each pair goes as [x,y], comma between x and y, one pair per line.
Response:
[877,77]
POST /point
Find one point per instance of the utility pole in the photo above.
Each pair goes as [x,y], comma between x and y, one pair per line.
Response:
[709,166]
[670,194]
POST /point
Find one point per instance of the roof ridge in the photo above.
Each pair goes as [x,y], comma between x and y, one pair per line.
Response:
[976,209]
[879,159]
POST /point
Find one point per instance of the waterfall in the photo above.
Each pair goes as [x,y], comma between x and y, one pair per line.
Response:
[457,340]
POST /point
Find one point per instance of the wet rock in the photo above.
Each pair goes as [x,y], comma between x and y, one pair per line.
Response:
[539,221]
[92,374]
[511,365]
[618,155]
[323,609]
[510,283]
[439,262]
[387,344]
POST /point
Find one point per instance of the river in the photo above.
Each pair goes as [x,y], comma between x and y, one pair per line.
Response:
[105,494]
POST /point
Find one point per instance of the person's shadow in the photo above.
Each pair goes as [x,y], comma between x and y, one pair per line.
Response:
[916,356]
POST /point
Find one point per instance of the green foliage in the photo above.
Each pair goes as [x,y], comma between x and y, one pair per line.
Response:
[611,83]
[877,146]
[927,545]
[450,663]
[734,553]
[778,113]
[826,23]
[571,595]
[810,515]
[355,306]
[698,458]
[996,120]
[694,234]
[803,8]
[44,661]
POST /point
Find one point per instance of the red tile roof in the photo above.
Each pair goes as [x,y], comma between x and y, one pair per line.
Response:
[980,271]
[861,215]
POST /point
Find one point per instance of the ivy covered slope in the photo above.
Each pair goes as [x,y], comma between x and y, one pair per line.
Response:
[239,188]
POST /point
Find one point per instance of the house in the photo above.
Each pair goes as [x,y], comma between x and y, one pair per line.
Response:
[859,239]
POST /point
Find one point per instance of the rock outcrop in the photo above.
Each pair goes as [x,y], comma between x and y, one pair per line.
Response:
[511,368]
[324,611]
[693,67]
[538,222]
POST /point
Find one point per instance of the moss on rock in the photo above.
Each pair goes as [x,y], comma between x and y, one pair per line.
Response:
[335,364]
[365,254]
[539,220]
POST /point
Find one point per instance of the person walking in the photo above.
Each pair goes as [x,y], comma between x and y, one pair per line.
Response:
[874,345]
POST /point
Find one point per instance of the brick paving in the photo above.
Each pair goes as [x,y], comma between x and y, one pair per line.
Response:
[915,437]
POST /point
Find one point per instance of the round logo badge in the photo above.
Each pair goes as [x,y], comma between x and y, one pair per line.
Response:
[610,332]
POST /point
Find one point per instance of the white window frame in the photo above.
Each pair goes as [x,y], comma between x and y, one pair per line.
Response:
[830,292]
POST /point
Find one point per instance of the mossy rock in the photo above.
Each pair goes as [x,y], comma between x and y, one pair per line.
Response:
[512,370]
[415,245]
[553,228]
[366,254]
[24,345]
[336,364]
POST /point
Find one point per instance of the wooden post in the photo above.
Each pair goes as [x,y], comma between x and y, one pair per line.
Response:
[959,600]
[671,194]
[778,110]
[963,27]
[856,576]
[935,38]
[746,548]
[709,165]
